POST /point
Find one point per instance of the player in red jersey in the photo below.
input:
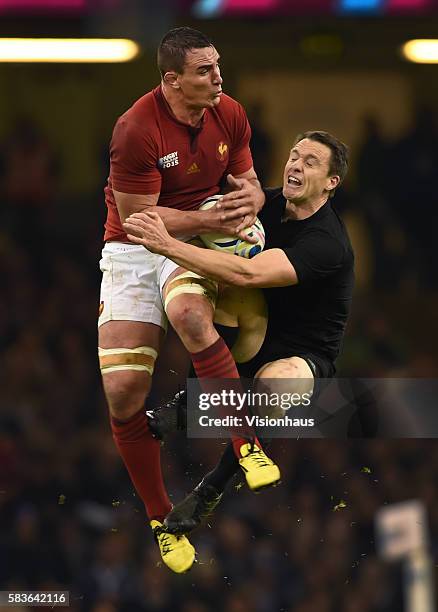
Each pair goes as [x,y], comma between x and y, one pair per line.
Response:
[176,146]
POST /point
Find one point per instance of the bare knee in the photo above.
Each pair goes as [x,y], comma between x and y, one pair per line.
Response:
[127,353]
[292,367]
[292,375]
[125,392]
[187,320]
[279,369]
[193,322]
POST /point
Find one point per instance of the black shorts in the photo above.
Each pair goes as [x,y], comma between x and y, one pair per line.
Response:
[321,366]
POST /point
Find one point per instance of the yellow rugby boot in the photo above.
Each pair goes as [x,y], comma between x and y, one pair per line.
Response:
[260,471]
[176,551]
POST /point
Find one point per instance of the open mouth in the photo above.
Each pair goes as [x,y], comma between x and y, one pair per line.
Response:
[292,180]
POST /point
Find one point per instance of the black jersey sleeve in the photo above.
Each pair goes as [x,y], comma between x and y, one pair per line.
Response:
[316,255]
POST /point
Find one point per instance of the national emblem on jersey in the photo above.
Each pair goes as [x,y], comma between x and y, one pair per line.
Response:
[222,151]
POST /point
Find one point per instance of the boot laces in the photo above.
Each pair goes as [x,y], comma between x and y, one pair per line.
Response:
[165,541]
[259,458]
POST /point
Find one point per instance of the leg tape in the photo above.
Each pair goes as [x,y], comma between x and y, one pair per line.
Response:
[190,282]
[141,359]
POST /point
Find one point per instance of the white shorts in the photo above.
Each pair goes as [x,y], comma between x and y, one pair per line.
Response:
[132,282]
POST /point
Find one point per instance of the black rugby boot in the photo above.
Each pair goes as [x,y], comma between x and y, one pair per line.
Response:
[169,417]
[197,506]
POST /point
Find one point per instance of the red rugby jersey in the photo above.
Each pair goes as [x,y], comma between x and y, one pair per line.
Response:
[152,152]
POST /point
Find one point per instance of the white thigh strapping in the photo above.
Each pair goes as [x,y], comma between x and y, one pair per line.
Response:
[166,268]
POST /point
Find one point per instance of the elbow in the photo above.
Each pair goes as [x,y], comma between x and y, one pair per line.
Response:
[242,273]
[252,283]
[245,281]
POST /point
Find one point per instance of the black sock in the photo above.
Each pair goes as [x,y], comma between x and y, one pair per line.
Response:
[223,472]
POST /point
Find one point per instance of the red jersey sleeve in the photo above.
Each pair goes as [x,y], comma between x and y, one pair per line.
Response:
[133,159]
[240,159]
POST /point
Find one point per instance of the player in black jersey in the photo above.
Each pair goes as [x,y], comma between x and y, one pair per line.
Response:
[306,272]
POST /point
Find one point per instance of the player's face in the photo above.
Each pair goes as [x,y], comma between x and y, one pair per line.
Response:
[201,81]
[307,172]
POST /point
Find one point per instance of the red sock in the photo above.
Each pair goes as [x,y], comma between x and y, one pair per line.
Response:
[216,361]
[141,455]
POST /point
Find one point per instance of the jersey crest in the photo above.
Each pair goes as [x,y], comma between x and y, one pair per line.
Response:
[222,151]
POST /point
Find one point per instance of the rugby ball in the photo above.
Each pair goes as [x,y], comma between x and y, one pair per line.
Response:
[233,244]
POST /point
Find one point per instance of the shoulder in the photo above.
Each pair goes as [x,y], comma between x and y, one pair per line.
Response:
[327,221]
[229,107]
[335,226]
[329,245]
[139,115]
[139,126]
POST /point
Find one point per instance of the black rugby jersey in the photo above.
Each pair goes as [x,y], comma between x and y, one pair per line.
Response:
[309,317]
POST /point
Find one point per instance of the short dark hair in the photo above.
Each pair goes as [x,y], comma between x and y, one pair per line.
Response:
[173,48]
[339,152]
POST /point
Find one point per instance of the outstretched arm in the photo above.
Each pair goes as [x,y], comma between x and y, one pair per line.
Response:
[269,269]
[180,222]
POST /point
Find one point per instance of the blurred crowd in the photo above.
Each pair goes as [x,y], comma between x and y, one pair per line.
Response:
[70,519]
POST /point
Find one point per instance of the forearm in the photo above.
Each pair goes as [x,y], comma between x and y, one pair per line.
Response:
[189,222]
[177,222]
[271,268]
[222,267]
[255,181]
